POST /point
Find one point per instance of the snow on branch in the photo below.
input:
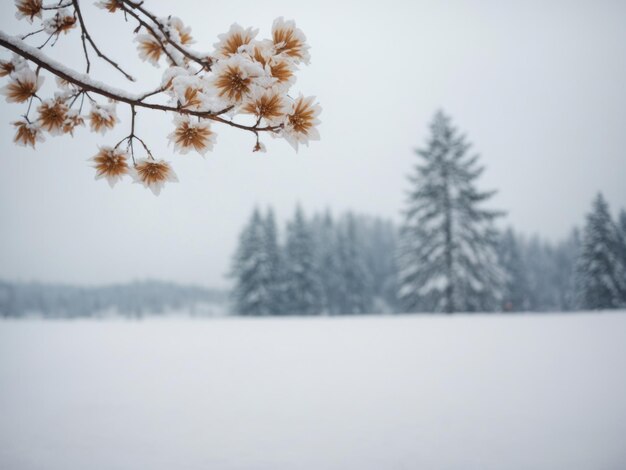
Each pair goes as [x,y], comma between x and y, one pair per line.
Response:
[242,76]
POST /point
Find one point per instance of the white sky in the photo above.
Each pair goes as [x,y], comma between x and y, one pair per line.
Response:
[539,89]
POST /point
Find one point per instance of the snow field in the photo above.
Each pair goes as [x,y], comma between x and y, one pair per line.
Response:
[401,392]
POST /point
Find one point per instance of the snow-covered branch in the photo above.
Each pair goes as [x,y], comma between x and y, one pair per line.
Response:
[242,76]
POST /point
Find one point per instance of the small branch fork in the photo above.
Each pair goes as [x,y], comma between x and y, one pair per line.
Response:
[129,138]
[205,62]
[86,37]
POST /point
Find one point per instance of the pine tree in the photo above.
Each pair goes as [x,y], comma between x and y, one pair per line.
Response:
[602,282]
[447,257]
[303,289]
[274,274]
[378,240]
[251,294]
[355,288]
[621,223]
[325,234]
[515,296]
[565,256]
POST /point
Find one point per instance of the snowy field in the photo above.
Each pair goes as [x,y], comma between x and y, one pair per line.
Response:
[408,392]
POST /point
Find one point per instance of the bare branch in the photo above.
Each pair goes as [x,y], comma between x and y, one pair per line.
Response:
[85,35]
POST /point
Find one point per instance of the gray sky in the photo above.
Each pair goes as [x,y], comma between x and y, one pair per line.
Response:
[539,87]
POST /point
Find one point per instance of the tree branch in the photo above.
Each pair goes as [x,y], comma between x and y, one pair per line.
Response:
[87,36]
[205,63]
[86,84]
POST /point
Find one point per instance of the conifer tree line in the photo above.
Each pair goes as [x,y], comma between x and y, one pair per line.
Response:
[319,265]
[448,255]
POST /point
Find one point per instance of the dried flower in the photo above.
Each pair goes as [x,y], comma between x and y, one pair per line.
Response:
[179,31]
[10,66]
[280,68]
[192,98]
[301,122]
[24,84]
[72,120]
[153,174]
[52,114]
[111,163]
[234,77]
[110,5]
[190,134]
[27,133]
[267,104]
[230,42]
[102,117]
[61,22]
[149,48]
[6,68]
[28,9]
[289,40]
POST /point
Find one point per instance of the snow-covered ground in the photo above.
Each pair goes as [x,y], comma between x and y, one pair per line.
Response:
[406,392]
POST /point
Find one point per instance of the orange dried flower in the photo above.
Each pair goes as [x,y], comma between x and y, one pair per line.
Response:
[27,133]
[52,114]
[24,84]
[289,40]
[72,120]
[102,118]
[28,9]
[111,164]
[149,48]
[153,174]
[267,104]
[188,135]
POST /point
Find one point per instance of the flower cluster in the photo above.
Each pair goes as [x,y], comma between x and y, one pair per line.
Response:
[245,83]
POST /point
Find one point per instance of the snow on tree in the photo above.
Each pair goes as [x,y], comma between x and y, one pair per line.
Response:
[243,75]
[621,223]
[601,272]
[355,294]
[378,238]
[516,291]
[303,289]
[274,265]
[447,256]
[252,294]
[325,233]
[564,282]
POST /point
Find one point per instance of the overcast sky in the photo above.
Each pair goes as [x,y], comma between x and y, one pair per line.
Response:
[539,88]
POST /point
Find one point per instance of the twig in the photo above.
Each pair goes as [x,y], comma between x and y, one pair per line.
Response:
[87,36]
[205,63]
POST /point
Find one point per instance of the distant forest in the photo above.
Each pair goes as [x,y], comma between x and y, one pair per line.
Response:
[135,300]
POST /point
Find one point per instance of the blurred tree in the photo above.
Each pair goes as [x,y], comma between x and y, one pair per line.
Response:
[516,293]
[600,268]
[356,286]
[448,260]
[303,289]
[252,294]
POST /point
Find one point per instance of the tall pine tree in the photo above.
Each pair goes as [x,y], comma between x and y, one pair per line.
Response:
[621,224]
[355,288]
[274,265]
[448,260]
[324,231]
[516,295]
[303,289]
[249,269]
[601,273]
